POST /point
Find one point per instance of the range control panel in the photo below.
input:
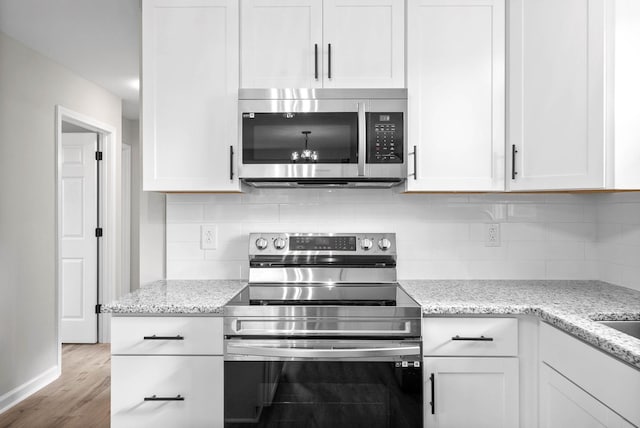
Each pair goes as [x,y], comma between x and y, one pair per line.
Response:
[385,137]
[317,243]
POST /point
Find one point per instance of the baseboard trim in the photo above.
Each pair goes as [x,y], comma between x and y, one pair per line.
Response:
[23,391]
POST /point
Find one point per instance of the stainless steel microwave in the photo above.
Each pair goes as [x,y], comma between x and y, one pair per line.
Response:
[323,137]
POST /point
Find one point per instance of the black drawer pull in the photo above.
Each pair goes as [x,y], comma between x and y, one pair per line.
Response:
[154,337]
[474,339]
[432,378]
[156,398]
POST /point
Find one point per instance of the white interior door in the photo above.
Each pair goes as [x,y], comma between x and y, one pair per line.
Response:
[79,258]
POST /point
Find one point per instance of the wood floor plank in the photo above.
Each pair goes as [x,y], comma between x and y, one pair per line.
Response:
[79,398]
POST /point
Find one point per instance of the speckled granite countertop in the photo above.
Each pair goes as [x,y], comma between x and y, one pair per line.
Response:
[572,306]
[176,297]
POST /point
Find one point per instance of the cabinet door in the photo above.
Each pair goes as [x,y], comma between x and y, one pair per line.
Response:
[367,43]
[564,404]
[471,392]
[456,82]
[198,380]
[189,94]
[279,42]
[556,101]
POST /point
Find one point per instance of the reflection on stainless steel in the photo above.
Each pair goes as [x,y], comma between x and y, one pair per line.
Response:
[255,326]
[322,285]
[260,350]
[309,275]
[295,166]
[323,325]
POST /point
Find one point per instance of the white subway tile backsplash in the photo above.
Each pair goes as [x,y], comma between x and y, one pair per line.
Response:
[184,251]
[440,236]
[241,213]
[206,269]
[184,213]
[576,232]
[421,269]
[502,270]
[183,232]
[578,269]
[618,238]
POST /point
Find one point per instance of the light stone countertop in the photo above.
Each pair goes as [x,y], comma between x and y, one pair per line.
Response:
[572,306]
[177,297]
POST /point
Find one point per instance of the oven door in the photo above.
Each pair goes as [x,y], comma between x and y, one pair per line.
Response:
[301,138]
[316,383]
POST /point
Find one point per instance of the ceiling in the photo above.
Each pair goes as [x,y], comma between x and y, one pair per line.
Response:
[96,39]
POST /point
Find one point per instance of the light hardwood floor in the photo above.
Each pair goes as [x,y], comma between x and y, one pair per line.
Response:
[79,398]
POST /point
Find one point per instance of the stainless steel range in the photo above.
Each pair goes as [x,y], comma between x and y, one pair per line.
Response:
[323,336]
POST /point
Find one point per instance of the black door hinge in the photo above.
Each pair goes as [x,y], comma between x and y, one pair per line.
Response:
[98,156]
[98,232]
[98,308]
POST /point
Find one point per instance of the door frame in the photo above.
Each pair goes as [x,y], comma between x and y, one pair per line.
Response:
[109,205]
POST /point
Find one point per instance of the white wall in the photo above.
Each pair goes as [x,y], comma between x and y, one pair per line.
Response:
[439,236]
[618,238]
[30,87]
[147,218]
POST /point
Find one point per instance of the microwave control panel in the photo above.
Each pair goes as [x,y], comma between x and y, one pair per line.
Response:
[385,139]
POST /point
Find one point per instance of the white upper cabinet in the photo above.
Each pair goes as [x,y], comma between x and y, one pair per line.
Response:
[456,84]
[574,95]
[281,43]
[557,94]
[366,42]
[189,94]
[316,43]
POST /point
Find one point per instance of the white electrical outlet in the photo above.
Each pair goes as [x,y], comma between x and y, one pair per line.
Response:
[492,235]
[208,236]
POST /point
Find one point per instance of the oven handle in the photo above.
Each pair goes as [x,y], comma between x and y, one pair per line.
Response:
[288,352]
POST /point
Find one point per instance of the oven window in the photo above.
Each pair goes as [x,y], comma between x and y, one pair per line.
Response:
[319,394]
[299,138]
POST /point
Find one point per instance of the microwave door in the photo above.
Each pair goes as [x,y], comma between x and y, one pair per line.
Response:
[301,144]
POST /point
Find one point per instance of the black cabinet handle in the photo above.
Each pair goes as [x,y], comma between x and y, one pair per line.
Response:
[329,58]
[316,61]
[513,161]
[474,339]
[156,398]
[231,163]
[154,337]
[432,379]
[415,162]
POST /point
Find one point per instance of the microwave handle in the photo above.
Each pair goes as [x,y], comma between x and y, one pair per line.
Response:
[362,138]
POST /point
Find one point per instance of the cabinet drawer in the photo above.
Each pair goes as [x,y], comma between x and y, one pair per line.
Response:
[470,336]
[195,384]
[166,336]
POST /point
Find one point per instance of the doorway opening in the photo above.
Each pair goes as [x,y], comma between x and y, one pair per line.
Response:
[87,226]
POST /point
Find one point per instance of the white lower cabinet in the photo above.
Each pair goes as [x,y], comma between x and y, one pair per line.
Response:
[471,372]
[167,372]
[471,392]
[581,386]
[167,391]
[564,404]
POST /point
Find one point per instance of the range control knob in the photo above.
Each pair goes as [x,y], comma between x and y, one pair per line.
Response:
[279,243]
[261,243]
[384,244]
[366,244]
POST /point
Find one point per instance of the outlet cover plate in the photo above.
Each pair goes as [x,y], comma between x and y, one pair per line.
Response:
[208,237]
[492,235]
